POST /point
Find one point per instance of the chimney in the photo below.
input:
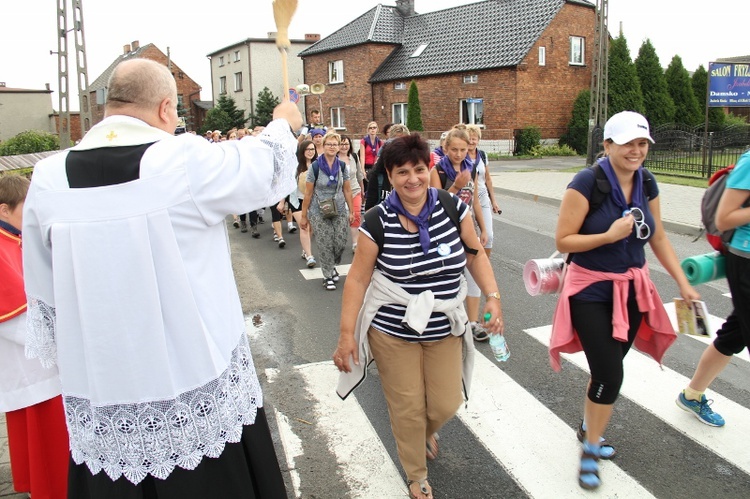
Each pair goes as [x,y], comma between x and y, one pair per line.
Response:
[46,85]
[135,44]
[126,49]
[2,84]
[405,7]
[312,37]
[271,34]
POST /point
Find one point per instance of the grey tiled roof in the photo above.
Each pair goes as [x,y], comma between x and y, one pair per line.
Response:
[102,79]
[742,59]
[381,24]
[482,35]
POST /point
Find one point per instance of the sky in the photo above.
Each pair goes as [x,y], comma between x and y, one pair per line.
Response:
[697,31]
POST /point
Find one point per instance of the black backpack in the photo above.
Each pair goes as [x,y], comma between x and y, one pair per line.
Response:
[376,228]
[602,187]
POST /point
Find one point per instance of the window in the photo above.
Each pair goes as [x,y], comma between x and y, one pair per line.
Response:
[471,78]
[101,95]
[337,117]
[236,56]
[419,50]
[221,60]
[237,82]
[180,101]
[577,50]
[472,111]
[222,85]
[336,72]
[399,113]
[542,56]
[400,85]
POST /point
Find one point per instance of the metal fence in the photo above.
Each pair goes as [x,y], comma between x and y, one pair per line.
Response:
[690,151]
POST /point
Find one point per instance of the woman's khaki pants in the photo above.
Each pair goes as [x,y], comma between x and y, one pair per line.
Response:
[422,386]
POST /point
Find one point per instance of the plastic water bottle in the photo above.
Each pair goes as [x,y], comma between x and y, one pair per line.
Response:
[499,347]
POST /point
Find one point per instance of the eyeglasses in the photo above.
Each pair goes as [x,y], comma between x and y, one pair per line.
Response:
[331,144]
[372,128]
[309,149]
[345,144]
[642,230]
[428,260]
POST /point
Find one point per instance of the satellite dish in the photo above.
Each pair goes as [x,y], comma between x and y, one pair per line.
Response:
[303,89]
[317,88]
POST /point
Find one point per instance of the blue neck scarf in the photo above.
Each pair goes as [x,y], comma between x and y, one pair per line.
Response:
[617,195]
[422,221]
[374,146]
[439,151]
[332,172]
[450,172]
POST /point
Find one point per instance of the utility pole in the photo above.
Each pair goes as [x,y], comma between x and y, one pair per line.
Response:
[62,70]
[599,79]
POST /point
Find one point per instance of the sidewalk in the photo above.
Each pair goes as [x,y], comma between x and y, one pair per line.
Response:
[680,205]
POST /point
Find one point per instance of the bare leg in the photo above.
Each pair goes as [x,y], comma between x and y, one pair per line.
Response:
[304,235]
[597,418]
[711,364]
[472,308]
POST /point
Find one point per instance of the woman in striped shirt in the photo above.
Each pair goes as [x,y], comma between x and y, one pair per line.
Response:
[403,306]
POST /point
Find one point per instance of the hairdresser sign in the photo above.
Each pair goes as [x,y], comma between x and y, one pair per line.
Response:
[728,85]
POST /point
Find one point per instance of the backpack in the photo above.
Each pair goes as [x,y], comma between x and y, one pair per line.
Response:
[376,228]
[710,201]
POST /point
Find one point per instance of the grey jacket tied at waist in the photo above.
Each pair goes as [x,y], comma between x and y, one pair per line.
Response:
[383,291]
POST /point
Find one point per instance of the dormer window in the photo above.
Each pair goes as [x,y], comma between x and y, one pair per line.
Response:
[419,50]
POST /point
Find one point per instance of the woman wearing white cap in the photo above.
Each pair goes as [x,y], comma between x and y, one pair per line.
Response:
[608,301]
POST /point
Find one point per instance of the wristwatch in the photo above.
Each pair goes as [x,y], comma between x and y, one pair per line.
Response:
[495,295]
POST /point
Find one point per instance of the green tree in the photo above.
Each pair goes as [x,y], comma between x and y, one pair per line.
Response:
[687,111]
[530,137]
[264,108]
[624,86]
[578,127]
[699,81]
[659,107]
[28,142]
[216,119]
[413,109]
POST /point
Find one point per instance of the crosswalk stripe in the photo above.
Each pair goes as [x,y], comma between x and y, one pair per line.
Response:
[499,412]
[655,390]
[317,273]
[363,460]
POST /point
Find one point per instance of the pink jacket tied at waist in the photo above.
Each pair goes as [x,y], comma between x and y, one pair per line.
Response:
[655,335]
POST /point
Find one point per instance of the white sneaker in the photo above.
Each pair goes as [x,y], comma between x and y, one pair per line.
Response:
[354,247]
[311,261]
[291,228]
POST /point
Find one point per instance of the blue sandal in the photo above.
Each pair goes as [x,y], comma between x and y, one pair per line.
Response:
[607,450]
[588,473]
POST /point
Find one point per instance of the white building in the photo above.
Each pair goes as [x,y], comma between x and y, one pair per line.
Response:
[23,109]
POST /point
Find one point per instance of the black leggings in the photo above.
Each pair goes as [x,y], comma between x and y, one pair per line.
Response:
[593,323]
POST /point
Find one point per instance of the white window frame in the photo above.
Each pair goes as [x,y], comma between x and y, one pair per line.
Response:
[542,56]
[337,118]
[222,85]
[238,82]
[469,79]
[221,60]
[336,71]
[101,96]
[399,85]
[399,109]
[472,111]
[236,56]
[577,51]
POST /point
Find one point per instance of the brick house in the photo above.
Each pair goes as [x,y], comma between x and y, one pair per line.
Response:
[188,91]
[503,65]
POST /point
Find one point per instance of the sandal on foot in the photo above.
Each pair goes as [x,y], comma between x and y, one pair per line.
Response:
[432,446]
[607,450]
[424,489]
[588,473]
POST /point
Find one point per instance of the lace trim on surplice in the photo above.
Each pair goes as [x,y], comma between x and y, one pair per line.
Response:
[153,437]
[40,332]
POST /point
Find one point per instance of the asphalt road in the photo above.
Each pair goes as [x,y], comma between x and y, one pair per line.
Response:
[663,452]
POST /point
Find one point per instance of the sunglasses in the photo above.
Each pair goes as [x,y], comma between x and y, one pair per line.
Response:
[642,230]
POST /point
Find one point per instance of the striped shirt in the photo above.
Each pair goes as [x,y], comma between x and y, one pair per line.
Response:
[403,262]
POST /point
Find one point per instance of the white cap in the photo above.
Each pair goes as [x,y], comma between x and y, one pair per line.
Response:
[626,126]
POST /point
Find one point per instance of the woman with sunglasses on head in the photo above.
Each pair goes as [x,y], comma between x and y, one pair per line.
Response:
[403,306]
[607,282]
[356,178]
[369,147]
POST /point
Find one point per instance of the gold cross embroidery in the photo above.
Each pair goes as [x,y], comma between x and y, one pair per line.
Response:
[111,135]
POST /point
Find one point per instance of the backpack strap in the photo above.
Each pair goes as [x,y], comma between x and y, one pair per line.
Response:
[442,176]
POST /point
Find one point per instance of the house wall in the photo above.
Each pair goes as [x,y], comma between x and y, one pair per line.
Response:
[186,87]
[260,65]
[25,110]
[354,94]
